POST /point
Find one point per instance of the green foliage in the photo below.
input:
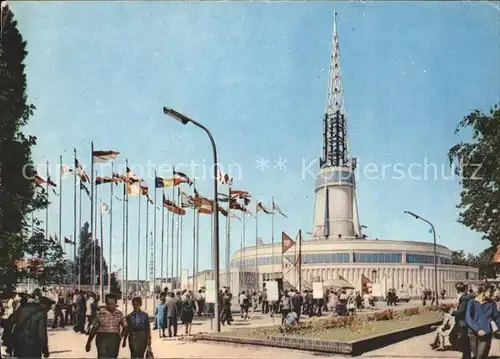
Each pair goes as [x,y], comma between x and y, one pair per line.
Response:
[19,199]
[478,164]
[482,261]
[84,260]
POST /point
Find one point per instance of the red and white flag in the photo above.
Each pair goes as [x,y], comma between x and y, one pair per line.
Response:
[224,178]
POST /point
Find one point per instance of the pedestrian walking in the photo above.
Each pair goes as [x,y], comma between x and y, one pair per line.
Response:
[160,316]
[29,337]
[107,329]
[171,309]
[187,314]
[138,330]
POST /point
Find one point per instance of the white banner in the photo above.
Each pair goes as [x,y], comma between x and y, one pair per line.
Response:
[317,290]
[272,290]
[210,291]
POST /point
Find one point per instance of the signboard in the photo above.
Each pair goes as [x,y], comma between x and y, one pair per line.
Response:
[377,290]
[210,291]
[317,290]
[272,290]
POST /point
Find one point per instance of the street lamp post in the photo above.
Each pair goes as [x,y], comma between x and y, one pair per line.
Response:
[435,252]
[215,254]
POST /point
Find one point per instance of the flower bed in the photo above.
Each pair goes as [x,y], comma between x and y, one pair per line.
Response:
[347,328]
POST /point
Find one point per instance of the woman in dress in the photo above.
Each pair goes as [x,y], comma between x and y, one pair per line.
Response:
[138,330]
[160,316]
[187,312]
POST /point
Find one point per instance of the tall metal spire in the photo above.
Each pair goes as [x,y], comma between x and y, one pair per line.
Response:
[335,150]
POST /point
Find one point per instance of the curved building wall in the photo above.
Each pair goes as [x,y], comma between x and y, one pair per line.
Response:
[393,264]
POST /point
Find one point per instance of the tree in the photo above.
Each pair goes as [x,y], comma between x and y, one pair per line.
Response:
[19,198]
[84,261]
[482,261]
[478,165]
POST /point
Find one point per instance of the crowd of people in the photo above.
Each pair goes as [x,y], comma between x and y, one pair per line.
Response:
[468,326]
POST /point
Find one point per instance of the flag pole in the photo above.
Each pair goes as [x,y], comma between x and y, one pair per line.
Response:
[181,229]
[228,238]
[79,236]
[94,277]
[75,280]
[243,244]
[163,239]
[60,200]
[154,248]
[300,260]
[126,239]
[101,258]
[110,265]
[272,237]
[257,247]
[166,242]
[177,245]
[122,284]
[197,246]
[194,241]
[147,249]
[173,230]
[92,233]
[139,240]
[48,203]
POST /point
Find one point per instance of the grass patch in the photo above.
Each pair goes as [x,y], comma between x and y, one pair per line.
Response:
[358,329]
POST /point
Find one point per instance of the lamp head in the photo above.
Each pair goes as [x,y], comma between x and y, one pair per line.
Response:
[176,115]
[413,214]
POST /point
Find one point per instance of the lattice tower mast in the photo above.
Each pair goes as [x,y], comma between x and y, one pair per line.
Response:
[335,143]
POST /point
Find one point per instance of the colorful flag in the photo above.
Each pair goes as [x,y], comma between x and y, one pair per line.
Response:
[223,211]
[80,172]
[224,178]
[206,209]
[84,188]
[200,200]
[237,206]
[172,207]
[222,197]
[38,180]
[260,207]
[145,192]
[131,177]
[286,242]
[183,176]
[101,180]
[186,201]
[118,177]
[104,156]
[51,183]
[133,189]
[277,209]
[169,182]
[66,170]
[244,195]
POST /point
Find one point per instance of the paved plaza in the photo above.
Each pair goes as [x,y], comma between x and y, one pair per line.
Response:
[64,343]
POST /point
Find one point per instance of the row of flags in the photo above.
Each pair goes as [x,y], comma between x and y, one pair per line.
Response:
[238,200]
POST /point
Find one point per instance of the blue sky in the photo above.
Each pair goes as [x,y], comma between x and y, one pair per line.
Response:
[256,74]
